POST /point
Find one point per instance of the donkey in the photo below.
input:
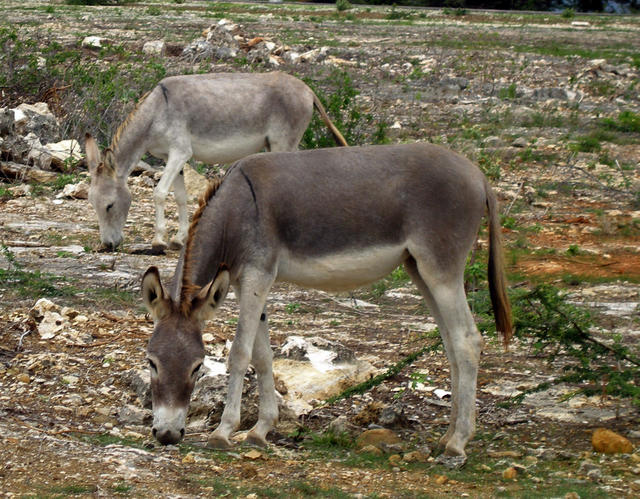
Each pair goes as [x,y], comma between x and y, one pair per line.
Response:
[215,118]
[331,219]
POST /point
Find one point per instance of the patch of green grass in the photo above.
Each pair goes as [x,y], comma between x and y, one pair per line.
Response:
[104,439]
[66,254]
[508,93]
[27,284]
[73,490]
[294,308]
[5,193]
[586,143]
[626,122]
[122,488]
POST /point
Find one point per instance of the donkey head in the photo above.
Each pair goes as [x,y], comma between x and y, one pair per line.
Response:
[175,352]
[108,194]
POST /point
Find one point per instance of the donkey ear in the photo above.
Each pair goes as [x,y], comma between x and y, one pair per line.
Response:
[153,294]
[109,163]
[93,153]
[211,296]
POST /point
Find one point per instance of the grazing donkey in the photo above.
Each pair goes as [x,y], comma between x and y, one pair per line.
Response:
[215,118]
[331,219]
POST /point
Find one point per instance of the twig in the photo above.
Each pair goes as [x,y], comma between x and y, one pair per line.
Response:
[96,343]
[515,197]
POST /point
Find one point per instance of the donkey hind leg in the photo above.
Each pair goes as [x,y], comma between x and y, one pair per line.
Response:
[412,270]
[463,345]
[175,162]
[252,296]
[180,193]
[262,360]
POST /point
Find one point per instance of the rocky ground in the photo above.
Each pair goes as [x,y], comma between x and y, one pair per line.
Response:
[526,96]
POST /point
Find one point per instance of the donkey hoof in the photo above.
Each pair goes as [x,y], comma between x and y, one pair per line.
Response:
[256,440]
[175,245]
[158,248]
[218,442]
[451,462]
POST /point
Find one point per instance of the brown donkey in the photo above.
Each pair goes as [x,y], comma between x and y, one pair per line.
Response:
[214,118]
[331,219]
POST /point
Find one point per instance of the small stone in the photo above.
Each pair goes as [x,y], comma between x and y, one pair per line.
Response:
[395,459]
[483,467]
[370,449]
[520,142]
[23,378]
[415,456]
[188,459]
[610,442]
[572,495]
[378,437]
[440,479]
[505,453]
[70,379]
[253,454]
[155,47]
[510,473]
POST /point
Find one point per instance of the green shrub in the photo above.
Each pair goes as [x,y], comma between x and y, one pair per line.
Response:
[342,5]
[627,122]
[557,329]
[358,128]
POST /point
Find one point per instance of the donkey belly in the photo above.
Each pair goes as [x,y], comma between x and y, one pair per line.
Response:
[340,271]
[226,149]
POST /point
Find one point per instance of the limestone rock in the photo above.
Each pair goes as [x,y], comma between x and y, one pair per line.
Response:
[76,191]
[379,437]
[510,473]
[64,151]
[42,306]
[155,47]
[132,415]
[94,42]
[610,442]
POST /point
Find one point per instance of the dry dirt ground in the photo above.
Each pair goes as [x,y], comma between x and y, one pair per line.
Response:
[469,82]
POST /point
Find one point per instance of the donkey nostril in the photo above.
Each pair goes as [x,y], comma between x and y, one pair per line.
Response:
[154,432]
[182,433]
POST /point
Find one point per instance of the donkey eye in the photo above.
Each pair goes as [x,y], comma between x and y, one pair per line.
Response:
[196,369]
[109,206]
[152,365]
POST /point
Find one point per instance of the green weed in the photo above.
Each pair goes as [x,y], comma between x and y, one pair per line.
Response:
[345,113]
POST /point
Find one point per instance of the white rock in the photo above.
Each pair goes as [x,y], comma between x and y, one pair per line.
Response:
[76,191]
[42,306]
[155,47]
[52,324]
[94,42]
[19,117]
[37,108]
[65,150]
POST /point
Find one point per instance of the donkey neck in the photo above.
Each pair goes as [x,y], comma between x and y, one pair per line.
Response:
[208,245]
[131,139]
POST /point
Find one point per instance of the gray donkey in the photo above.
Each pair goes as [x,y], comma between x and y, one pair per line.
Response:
[215,118]
[331,219]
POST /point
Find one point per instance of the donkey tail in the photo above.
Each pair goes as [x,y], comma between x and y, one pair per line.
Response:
[496,272]
[325,117]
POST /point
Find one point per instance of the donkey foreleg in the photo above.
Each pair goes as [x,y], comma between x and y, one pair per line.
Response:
[175,162]
[252,298]
[262,360]
[180,193]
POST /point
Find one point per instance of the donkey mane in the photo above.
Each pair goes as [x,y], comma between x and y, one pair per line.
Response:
[127,121]
[188,288]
